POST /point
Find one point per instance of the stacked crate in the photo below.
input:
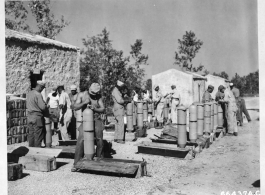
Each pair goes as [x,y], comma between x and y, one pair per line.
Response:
[17,129]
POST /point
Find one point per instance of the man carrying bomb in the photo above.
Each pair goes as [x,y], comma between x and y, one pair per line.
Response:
[93,100]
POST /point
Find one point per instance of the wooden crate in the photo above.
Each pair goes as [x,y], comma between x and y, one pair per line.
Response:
[38,163]
[15,171]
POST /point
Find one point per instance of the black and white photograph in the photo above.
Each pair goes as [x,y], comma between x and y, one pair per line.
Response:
[150,97]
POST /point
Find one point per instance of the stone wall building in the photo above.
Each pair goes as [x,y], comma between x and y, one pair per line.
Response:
[31,57]
[191,86]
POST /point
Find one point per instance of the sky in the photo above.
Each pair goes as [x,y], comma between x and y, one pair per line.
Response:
[228,29]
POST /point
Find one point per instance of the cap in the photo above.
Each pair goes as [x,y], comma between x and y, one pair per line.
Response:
[42,83]
[119,83]
[155,86]
[231,84]
[94,88]
[73,87]
[210,87]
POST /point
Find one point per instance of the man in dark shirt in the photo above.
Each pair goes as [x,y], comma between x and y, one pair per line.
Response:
[36,109]
[207,94]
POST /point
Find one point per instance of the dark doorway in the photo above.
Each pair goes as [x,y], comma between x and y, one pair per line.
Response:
[34,78]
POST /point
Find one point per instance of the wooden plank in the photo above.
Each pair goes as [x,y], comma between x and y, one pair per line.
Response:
[31,151]
[162,145]
[119,168]
[15,171]
[38,163]
[67,143]
[129,136]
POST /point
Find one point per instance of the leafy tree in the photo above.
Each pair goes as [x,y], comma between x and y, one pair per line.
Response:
[148,85]
[48,26]
[189,46]
[100,62]
[222,74]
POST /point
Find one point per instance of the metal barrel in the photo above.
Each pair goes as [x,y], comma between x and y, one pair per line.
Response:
[129,112]
[220,119]
[193,123]
[48,140]
[200,119]
[215,115]
[207,117]
[145,112]
[212,117]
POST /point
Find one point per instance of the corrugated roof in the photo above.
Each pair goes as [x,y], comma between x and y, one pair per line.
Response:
[12,34]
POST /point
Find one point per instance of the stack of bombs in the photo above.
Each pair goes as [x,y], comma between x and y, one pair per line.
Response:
[137,117]
[17,129]
[203,119]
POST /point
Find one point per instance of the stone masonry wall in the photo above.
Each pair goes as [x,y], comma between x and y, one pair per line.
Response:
[61,66]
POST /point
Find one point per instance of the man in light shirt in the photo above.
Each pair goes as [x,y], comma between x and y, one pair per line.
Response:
[65,113]
[53,105]
[175,101]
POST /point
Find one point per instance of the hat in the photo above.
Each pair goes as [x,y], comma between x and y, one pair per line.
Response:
[119,83]
[173,86]
[221,87]
[210,87]
[231,84]
[155,86]
[42,83]
[73,87]
[94,88]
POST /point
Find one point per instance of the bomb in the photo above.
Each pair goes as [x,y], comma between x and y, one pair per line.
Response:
[207,118]
[88,128]
[182,132]
[200,119]
[79,121]
[145,112]
[129,112]
[193,123]
[215,115]
[48,140]
[220,119]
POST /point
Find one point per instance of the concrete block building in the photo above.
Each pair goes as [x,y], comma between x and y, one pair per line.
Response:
[31,57]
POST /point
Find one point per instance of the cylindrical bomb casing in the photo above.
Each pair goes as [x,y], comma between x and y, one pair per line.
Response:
[207,124]
[139,107]
[88,128]
[145,106]
[129,109]
[220,119]
[182,115]
[212,117]
[207,110]
[140,123]
[182,136]
[79,120]
[48,132]
[193,113]
[193,131]
[145,112]
[129,123]
[200,127]
[215,114]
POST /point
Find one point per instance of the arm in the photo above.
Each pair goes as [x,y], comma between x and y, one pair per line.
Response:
[62,101]
[101,108]
[79,103]
[47,101]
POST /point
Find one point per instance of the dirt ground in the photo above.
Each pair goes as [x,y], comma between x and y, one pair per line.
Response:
[230,164]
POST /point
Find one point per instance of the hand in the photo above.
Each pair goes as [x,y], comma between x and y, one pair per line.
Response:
[91,107]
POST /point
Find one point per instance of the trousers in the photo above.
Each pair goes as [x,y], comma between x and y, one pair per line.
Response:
[79,149]
[36,130]
[174,111]
[119,125]
[67,120]
[241,105]
[159,112]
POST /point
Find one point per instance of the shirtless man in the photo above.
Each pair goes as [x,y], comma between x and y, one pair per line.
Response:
[93,100]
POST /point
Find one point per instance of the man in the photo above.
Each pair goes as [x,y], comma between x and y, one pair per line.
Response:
[53,106]
[36,111]
[219,97]
[118,111]
[93,100]
[207,94]
[231,113]
[175,101]
[159,100]
[241,105]
[65,113]
[73,95]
